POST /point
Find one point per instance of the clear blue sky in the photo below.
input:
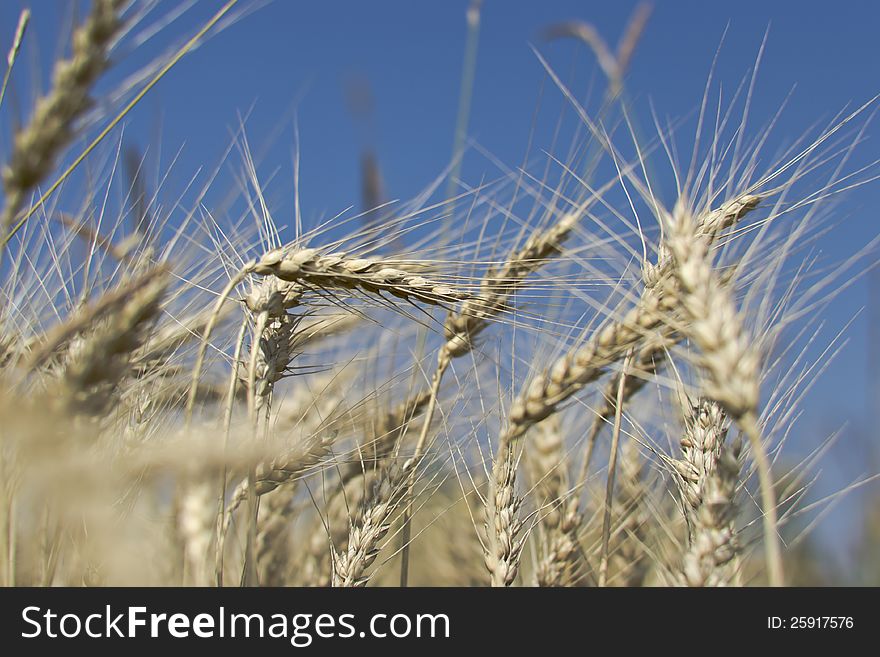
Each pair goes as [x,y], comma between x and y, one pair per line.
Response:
[411,54]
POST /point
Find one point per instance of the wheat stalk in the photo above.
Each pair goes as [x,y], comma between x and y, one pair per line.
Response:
[23,19]
[629,558]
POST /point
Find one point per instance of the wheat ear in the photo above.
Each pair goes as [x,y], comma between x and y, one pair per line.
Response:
[320,271]
[503,541]
[708,475]
[98,361]
[650,355]
[303,457]
[350,565]
[356,477]
[728,357]
[23,19]
[561,560]
[50,130]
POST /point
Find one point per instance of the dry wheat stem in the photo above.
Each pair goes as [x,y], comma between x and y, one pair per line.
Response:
[227,426]
[612,471]
[628,557]
[649,357]
[249,571]
[206,336]
[23,20]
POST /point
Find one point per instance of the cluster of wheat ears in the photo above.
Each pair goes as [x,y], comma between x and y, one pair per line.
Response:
[559,377]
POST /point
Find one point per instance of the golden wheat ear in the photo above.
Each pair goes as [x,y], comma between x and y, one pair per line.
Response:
[38,145]
[23,20]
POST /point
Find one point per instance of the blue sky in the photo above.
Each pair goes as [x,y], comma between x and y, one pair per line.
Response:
[304,53]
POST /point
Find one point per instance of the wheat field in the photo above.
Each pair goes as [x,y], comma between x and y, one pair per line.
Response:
[564,373]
